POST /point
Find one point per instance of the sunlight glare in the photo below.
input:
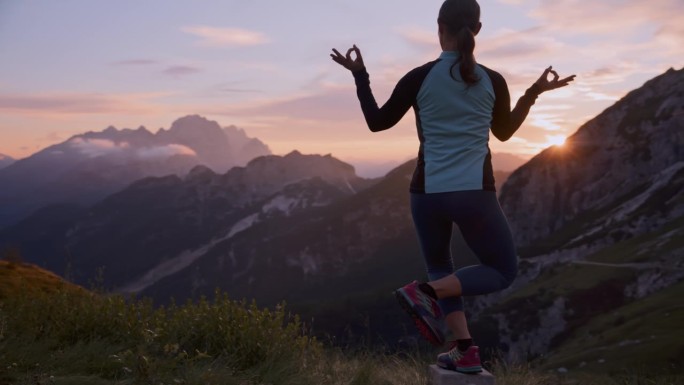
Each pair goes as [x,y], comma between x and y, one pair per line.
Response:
[555,140]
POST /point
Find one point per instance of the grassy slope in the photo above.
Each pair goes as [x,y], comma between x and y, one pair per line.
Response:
[16,278]
[566,279]
[605,325]
[644,333]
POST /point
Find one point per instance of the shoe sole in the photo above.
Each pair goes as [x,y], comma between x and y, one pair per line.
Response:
[433,338]
[471,370]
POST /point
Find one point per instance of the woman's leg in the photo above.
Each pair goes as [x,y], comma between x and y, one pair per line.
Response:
[485,229]
[434,233]
[488,235]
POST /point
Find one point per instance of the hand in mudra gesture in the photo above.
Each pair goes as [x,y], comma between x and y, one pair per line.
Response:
[547,85]
[347,61]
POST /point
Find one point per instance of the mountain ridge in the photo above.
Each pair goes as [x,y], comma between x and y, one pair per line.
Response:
[90,166]
[174,214]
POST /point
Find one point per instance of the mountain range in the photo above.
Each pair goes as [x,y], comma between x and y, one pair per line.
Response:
[5,161]
[598,223]
[88,167]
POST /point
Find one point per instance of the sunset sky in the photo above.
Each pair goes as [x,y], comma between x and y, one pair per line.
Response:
[71,66]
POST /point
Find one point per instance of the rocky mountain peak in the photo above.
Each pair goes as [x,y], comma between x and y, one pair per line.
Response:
[327,167]
[244,147]
[200,172]
[190,124]
[205,137]
[271,172]
[5,160]
[138,137]
[608,162]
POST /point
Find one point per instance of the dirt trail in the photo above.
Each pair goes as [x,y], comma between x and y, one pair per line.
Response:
[637,266]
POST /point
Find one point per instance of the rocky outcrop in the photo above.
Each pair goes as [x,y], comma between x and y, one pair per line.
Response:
[608,170]
[597,223]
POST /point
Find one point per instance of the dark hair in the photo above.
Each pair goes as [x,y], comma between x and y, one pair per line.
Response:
[461,19]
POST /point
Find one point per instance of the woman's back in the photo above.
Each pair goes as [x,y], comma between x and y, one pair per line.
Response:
[453,120]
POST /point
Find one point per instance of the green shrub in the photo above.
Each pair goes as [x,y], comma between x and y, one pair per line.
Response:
[110,336]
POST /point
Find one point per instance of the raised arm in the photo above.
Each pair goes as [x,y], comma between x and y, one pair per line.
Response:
[377,118]
[505,122]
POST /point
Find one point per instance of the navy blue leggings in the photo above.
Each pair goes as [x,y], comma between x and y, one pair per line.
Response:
[484,228]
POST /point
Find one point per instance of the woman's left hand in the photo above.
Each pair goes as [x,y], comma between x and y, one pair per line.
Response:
[547,85]
[347,62]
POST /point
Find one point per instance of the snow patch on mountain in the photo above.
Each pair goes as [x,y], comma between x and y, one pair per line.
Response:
[623,212]
[351,188]
[659,181]
[180,262]
[243,224]
[281,203]
[306,260]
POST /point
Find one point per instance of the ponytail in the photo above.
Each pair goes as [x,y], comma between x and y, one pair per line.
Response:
[461,18]
[466,47]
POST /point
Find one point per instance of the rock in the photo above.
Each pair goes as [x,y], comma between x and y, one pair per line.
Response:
[439,376]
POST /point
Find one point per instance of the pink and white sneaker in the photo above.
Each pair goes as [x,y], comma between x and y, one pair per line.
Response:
[464,362]
[425,312]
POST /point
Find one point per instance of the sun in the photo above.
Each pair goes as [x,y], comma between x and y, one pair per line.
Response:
[555,140]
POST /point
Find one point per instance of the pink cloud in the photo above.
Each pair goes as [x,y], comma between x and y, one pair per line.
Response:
[78,103]
[226,37]
[135,62]
[609,16]
[330,104]
[181,70]
[508,45]
[419,37]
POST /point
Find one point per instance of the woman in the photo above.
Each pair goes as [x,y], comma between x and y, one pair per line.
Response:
[456,102]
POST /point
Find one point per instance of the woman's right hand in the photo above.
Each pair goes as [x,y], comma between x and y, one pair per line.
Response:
[545,84]
[347,62]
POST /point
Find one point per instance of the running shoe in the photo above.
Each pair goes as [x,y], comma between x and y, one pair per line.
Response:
[424,310]
[464,362]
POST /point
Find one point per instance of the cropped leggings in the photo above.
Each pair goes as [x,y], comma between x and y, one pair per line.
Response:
[484,228]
